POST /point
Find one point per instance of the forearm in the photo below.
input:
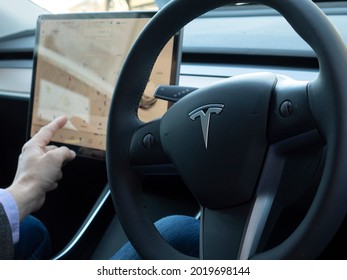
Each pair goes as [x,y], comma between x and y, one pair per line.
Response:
[28,199]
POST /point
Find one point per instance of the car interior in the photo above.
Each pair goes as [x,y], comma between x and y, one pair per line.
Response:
[234,114]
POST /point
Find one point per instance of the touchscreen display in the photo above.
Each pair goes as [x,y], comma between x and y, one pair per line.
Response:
[77,60]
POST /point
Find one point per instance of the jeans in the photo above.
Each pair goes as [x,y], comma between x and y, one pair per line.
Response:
[181,232]
[34,241]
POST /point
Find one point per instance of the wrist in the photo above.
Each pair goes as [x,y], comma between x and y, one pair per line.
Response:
[27,202]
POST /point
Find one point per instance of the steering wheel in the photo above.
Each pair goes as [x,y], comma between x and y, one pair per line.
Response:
[231,143]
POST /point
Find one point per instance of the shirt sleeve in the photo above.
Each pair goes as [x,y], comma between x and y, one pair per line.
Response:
[11,209]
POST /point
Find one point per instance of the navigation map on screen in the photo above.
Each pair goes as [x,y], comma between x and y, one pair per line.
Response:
[77,63]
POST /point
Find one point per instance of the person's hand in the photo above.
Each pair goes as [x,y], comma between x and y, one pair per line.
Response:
[39,168]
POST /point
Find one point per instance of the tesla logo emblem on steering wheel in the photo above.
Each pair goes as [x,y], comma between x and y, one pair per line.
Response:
[204,112]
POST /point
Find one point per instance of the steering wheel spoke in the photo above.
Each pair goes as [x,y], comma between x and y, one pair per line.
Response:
[146,152]
[290,112]
[222,231]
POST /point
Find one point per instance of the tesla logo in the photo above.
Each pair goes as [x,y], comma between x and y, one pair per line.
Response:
[204,112]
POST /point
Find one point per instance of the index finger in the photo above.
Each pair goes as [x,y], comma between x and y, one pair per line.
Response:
[46,133]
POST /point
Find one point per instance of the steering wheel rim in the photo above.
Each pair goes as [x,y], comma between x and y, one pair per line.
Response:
[326,101]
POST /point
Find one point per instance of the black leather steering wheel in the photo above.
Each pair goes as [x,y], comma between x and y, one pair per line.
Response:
[230,142]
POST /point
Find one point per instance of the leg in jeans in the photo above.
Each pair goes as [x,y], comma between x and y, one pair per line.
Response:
[34,242]
[181,232]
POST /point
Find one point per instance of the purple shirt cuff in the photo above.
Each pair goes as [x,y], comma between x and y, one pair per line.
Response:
[12,213]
